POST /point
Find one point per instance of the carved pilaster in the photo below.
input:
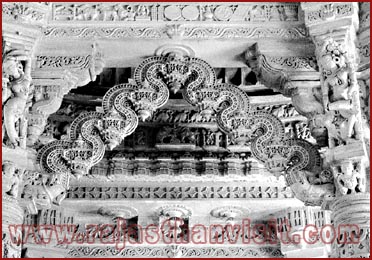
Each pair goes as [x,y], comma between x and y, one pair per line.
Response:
[347,130]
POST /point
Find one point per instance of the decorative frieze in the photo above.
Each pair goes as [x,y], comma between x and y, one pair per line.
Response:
[201,12]
[327,12]
[34,13]
[294,63]
[177,251]
[63,62]
[183,31]
[177,192]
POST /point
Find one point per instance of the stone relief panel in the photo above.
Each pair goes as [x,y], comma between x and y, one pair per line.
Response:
[247,12]
[176,251]
[328,12]
[173,31]
[179,192]
[34,13]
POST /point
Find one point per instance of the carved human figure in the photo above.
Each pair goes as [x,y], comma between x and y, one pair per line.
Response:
[16,97]
[347,179]
[11,179]
[340,90]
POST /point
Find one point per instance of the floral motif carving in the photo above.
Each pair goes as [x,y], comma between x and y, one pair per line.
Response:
[329,12]
[24,12]
[181,251]
[294,63]
[185,32]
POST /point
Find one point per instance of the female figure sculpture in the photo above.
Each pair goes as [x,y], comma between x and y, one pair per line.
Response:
[15,96]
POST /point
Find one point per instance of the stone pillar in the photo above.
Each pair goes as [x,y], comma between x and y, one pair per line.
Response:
[334,27]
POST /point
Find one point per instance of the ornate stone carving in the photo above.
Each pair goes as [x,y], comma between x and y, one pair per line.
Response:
[267,74]
[12,213]
[229,212]
[294,63]
[340,93]
[122,212]
[184,32]
[25,12]
[352,213]
[168,251]
[15,96]
[173,222]
[295,222]
[247,12]
[74,71]
[11,179]
[328,12]
[179,192]
[197,81]
[349,177]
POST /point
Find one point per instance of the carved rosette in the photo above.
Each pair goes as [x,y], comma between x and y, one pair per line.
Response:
[123,212]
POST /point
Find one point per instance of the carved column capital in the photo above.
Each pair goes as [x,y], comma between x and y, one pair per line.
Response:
[351,217]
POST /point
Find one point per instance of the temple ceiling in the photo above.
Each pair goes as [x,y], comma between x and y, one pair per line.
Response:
[206,112]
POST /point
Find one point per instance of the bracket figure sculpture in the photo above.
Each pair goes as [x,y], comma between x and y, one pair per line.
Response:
[196,79]
[340,90]
[16,87]
[48,97]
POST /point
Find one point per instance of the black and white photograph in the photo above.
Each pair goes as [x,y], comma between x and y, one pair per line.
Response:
[185,129]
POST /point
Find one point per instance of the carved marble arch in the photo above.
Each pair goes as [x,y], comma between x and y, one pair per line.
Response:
[123,105]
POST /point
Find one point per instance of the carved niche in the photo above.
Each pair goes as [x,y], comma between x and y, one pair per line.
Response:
[153,79]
